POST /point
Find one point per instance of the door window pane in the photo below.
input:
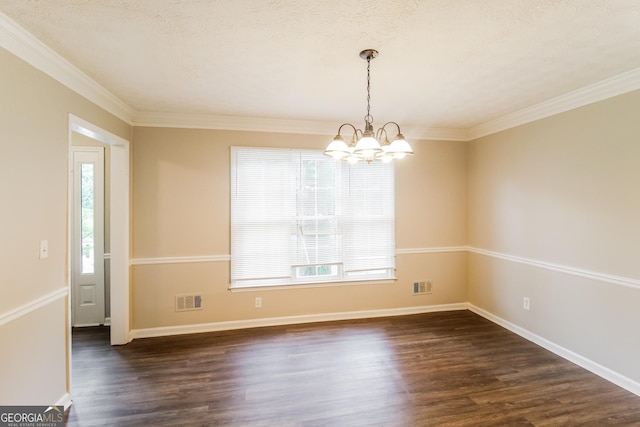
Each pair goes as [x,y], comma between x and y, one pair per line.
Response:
[86,215]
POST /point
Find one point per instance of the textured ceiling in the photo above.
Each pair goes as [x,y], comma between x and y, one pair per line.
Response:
[442,63]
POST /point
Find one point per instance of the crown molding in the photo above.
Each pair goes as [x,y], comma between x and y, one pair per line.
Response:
[25,46]
[252,124]
[608,88]
[256,124]
[438,134]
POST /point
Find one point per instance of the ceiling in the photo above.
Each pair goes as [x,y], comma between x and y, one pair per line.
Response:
[443,64]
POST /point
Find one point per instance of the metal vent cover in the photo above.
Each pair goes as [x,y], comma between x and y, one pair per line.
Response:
[422,287]
[188,302]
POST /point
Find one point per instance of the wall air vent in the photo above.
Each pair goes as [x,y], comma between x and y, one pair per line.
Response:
[188,302]
[422,287]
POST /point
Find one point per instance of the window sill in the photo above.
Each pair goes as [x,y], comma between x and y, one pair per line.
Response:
[311,285]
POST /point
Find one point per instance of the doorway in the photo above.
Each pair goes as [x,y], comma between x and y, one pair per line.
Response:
[87,247]
[118,212]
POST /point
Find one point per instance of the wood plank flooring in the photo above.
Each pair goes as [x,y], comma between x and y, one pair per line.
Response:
[436,369]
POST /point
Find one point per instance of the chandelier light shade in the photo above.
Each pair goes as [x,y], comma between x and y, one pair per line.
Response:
[367,145]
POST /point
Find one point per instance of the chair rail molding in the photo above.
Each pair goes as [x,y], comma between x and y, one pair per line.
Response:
[589,274]
[227,257]
[32,306]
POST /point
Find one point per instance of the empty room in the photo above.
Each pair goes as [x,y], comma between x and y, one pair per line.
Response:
[320,213]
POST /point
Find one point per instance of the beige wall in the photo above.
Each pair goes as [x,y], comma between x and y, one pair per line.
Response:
[562,190]
[181,208]
[34,117]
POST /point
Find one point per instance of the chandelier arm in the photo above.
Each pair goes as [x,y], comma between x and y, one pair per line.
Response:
[347,124]
[365,144]
[391,123]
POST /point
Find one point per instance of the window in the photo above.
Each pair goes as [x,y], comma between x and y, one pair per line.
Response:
[86,218]
[298,216]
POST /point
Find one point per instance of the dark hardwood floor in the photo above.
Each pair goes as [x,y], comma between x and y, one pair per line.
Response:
[436,369]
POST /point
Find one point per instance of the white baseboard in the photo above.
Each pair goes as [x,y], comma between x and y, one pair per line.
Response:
[596,368]
[589,365]
[107,321]
[65,401]
[290,320]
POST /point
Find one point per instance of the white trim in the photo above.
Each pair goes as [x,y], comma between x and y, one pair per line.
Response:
[435,250]
[24,45]
[589,365]
[603,277]
[608,88]
[609,278]
[436,134]
[227,258]
[65,401]
[107,321]
[261,288]
[251,124]
[107,256]
[290,320]
[32,306]
[569,355]
[180,259]
[120,235]
[120,243]
[256,124]
[77,124]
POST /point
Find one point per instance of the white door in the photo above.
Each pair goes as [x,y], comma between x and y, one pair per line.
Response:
[87,248]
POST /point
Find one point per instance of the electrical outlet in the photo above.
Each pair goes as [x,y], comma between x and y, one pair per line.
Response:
[258,302]
[526,303]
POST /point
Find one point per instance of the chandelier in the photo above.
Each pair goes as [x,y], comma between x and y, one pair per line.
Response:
[366,145]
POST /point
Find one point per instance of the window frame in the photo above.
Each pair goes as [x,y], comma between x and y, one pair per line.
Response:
[384,273]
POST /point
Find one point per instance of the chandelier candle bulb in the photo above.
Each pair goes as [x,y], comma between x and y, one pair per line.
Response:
[365,145]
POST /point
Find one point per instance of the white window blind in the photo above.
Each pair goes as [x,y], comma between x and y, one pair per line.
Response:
[298,216]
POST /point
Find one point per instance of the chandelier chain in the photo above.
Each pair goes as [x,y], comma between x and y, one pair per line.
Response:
[368,118]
